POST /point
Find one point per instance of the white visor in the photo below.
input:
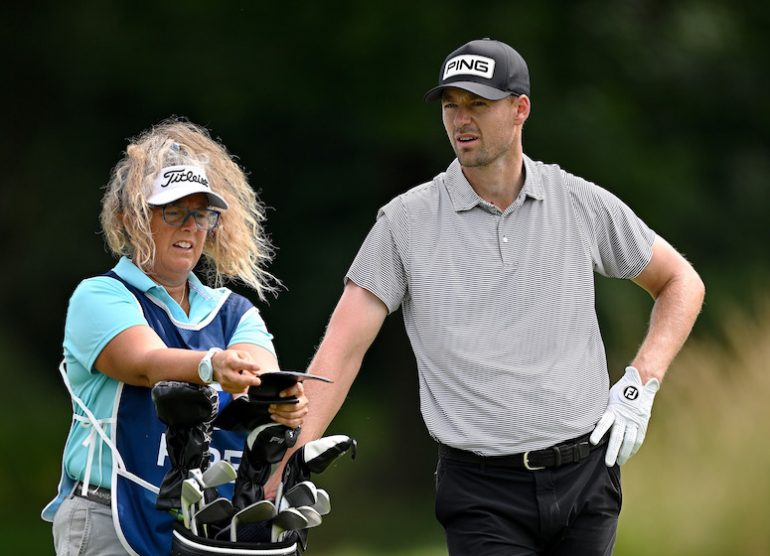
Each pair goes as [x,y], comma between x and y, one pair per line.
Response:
[174,182]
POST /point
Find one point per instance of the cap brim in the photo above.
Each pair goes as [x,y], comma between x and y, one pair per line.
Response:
[216,200]
[177,193]
[484,91]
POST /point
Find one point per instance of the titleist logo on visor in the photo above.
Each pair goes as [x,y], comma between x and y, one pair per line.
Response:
[175,174]
[469,64]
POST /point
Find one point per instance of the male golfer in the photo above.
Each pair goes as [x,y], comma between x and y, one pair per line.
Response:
[492,264]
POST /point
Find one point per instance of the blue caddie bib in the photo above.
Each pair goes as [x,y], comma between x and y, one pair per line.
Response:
[140,435]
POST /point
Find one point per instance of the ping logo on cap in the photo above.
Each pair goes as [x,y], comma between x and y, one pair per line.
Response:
[469,64]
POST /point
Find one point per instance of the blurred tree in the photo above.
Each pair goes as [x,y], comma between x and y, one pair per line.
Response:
[660,102]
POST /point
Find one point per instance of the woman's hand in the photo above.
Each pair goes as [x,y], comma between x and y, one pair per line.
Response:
[235,370]
[291,414]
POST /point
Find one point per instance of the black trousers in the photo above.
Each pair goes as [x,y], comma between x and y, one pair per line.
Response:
[488,510]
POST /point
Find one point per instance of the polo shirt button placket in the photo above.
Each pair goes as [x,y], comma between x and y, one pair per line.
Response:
[506,248]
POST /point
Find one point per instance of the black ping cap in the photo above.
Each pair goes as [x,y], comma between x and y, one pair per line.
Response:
[488,68]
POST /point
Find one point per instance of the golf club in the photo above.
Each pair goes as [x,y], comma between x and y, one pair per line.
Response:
[191,495]
[220,473]
[323,506]
[301,494]
[213,512]
[259,511]
[289,519]
[196,474]
[311,515]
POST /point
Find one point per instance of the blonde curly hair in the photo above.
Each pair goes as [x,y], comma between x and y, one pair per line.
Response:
[237,249]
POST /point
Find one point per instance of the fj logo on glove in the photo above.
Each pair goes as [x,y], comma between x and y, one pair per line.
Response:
[631,393]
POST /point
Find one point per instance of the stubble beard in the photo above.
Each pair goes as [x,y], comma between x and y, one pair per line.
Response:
[484,154]
[477,159]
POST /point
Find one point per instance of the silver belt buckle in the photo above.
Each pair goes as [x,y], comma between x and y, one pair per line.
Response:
[528,466]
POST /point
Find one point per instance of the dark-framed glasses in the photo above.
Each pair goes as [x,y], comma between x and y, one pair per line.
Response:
[176,216]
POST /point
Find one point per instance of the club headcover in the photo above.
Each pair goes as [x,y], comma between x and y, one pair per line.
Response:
[319,454]
[184,404]
[187,410]
[245,413]
[268,443]
[242,415]
[315,457]
[273,383]
[263,449]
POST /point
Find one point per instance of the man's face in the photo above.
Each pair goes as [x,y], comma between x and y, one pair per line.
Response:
[480,131]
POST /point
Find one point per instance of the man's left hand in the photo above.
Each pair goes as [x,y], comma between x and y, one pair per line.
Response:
[628,413]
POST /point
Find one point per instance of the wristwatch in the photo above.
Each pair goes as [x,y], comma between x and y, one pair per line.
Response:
[206,368]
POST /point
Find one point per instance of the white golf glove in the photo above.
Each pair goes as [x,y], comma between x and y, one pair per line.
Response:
[628,412]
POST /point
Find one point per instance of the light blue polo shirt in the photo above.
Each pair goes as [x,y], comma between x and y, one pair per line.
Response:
[101,308]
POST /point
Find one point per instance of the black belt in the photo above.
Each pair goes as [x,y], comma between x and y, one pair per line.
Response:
[94,493]
[570,451]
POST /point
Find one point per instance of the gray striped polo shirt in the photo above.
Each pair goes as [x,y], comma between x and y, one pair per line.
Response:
[499,306]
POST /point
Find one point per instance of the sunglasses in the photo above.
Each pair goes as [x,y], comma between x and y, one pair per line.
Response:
[176,216]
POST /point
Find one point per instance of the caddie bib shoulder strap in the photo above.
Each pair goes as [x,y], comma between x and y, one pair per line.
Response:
[198,337]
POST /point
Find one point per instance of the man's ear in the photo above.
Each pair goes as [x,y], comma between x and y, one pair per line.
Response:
[523,107]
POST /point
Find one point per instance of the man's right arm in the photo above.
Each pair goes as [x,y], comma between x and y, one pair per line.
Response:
[353,326]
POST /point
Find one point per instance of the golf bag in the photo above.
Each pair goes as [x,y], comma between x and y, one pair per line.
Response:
[184,543]
[247,525]
[297,498]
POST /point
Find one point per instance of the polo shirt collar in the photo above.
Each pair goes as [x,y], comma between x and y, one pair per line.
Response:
[461,193]
[132,274]
[464,197]
[533,181]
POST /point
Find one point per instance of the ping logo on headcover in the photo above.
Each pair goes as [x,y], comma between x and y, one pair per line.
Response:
[469,64]
[631,393]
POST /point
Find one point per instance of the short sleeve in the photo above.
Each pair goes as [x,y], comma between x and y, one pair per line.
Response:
[379,264]
[252,330]
[99,309]
[619,241]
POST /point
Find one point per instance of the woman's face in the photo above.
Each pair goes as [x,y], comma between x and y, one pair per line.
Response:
[177,249]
